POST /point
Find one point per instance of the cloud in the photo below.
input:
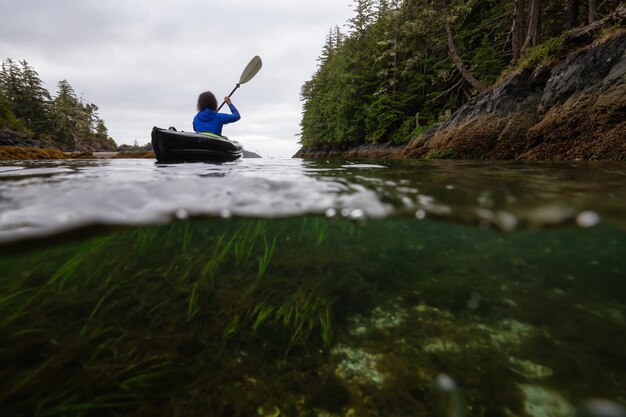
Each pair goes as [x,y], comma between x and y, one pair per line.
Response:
[143,62]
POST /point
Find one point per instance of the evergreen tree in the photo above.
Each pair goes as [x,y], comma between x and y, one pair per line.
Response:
[25,93]
[364,16]
[571,10]
[36,100]
[592,15]
[65,114]
[339,37]
[517,31]
[8,120]
[101,131]
[329,47]
[533,35]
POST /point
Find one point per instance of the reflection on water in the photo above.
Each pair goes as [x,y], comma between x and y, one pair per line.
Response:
[46,197]
[369,289]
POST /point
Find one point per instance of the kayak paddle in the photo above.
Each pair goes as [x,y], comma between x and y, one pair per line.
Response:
[248,73]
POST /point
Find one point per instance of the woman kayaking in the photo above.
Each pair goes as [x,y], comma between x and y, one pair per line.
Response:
[208,120]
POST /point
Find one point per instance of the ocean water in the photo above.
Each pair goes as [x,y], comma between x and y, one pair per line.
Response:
[267,287]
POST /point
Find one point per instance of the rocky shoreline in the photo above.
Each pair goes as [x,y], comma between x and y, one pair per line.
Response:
[572,109]
[367,151]
[30,153]
[15,145]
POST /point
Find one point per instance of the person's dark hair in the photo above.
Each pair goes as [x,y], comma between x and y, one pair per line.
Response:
[206,100]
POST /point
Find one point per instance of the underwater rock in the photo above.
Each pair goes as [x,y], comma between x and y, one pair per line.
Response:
[361,330]
[386,319]
[327,394]
[508,332]
[358,365]
[441,345]
[380,319]
[428,313]
[509,302]
[268,411]
[542,402]
[529,369]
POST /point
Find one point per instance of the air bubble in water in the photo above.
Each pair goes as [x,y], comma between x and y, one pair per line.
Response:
[450,401]
[357,214]
[474,302]
[181,214]
[588,219]
[602,408]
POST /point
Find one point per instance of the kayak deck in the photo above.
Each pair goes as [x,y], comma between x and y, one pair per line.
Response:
[175,146]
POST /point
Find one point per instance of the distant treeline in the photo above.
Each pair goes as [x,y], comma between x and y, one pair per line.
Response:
[64,121]
[404,64]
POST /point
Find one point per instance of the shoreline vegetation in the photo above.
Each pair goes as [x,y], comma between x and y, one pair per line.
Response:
[407,83]
[22,153]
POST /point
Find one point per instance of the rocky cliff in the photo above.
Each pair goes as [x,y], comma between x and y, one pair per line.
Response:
[573,110]
[10,137]
[573,107]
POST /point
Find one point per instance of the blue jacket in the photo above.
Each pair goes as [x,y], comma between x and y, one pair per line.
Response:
[211,121]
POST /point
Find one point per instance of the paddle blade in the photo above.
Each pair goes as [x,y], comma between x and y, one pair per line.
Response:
[253,67]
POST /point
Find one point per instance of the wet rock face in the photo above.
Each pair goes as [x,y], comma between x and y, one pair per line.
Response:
[586,70]
[515,94]
[84,145]
[14,138]
[369,151]
[574,110]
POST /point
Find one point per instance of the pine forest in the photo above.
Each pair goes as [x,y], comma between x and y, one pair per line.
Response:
[403,66]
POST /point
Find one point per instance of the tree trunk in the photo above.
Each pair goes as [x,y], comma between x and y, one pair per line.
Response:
[533,35]
[517,30]
[592,11]
[459,63]
[571,11]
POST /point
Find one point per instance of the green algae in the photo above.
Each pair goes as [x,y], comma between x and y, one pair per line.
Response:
[214,317]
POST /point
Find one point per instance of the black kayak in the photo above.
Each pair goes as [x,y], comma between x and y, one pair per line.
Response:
[173,146]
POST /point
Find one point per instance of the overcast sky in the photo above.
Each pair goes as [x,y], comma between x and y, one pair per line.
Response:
[144,62]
